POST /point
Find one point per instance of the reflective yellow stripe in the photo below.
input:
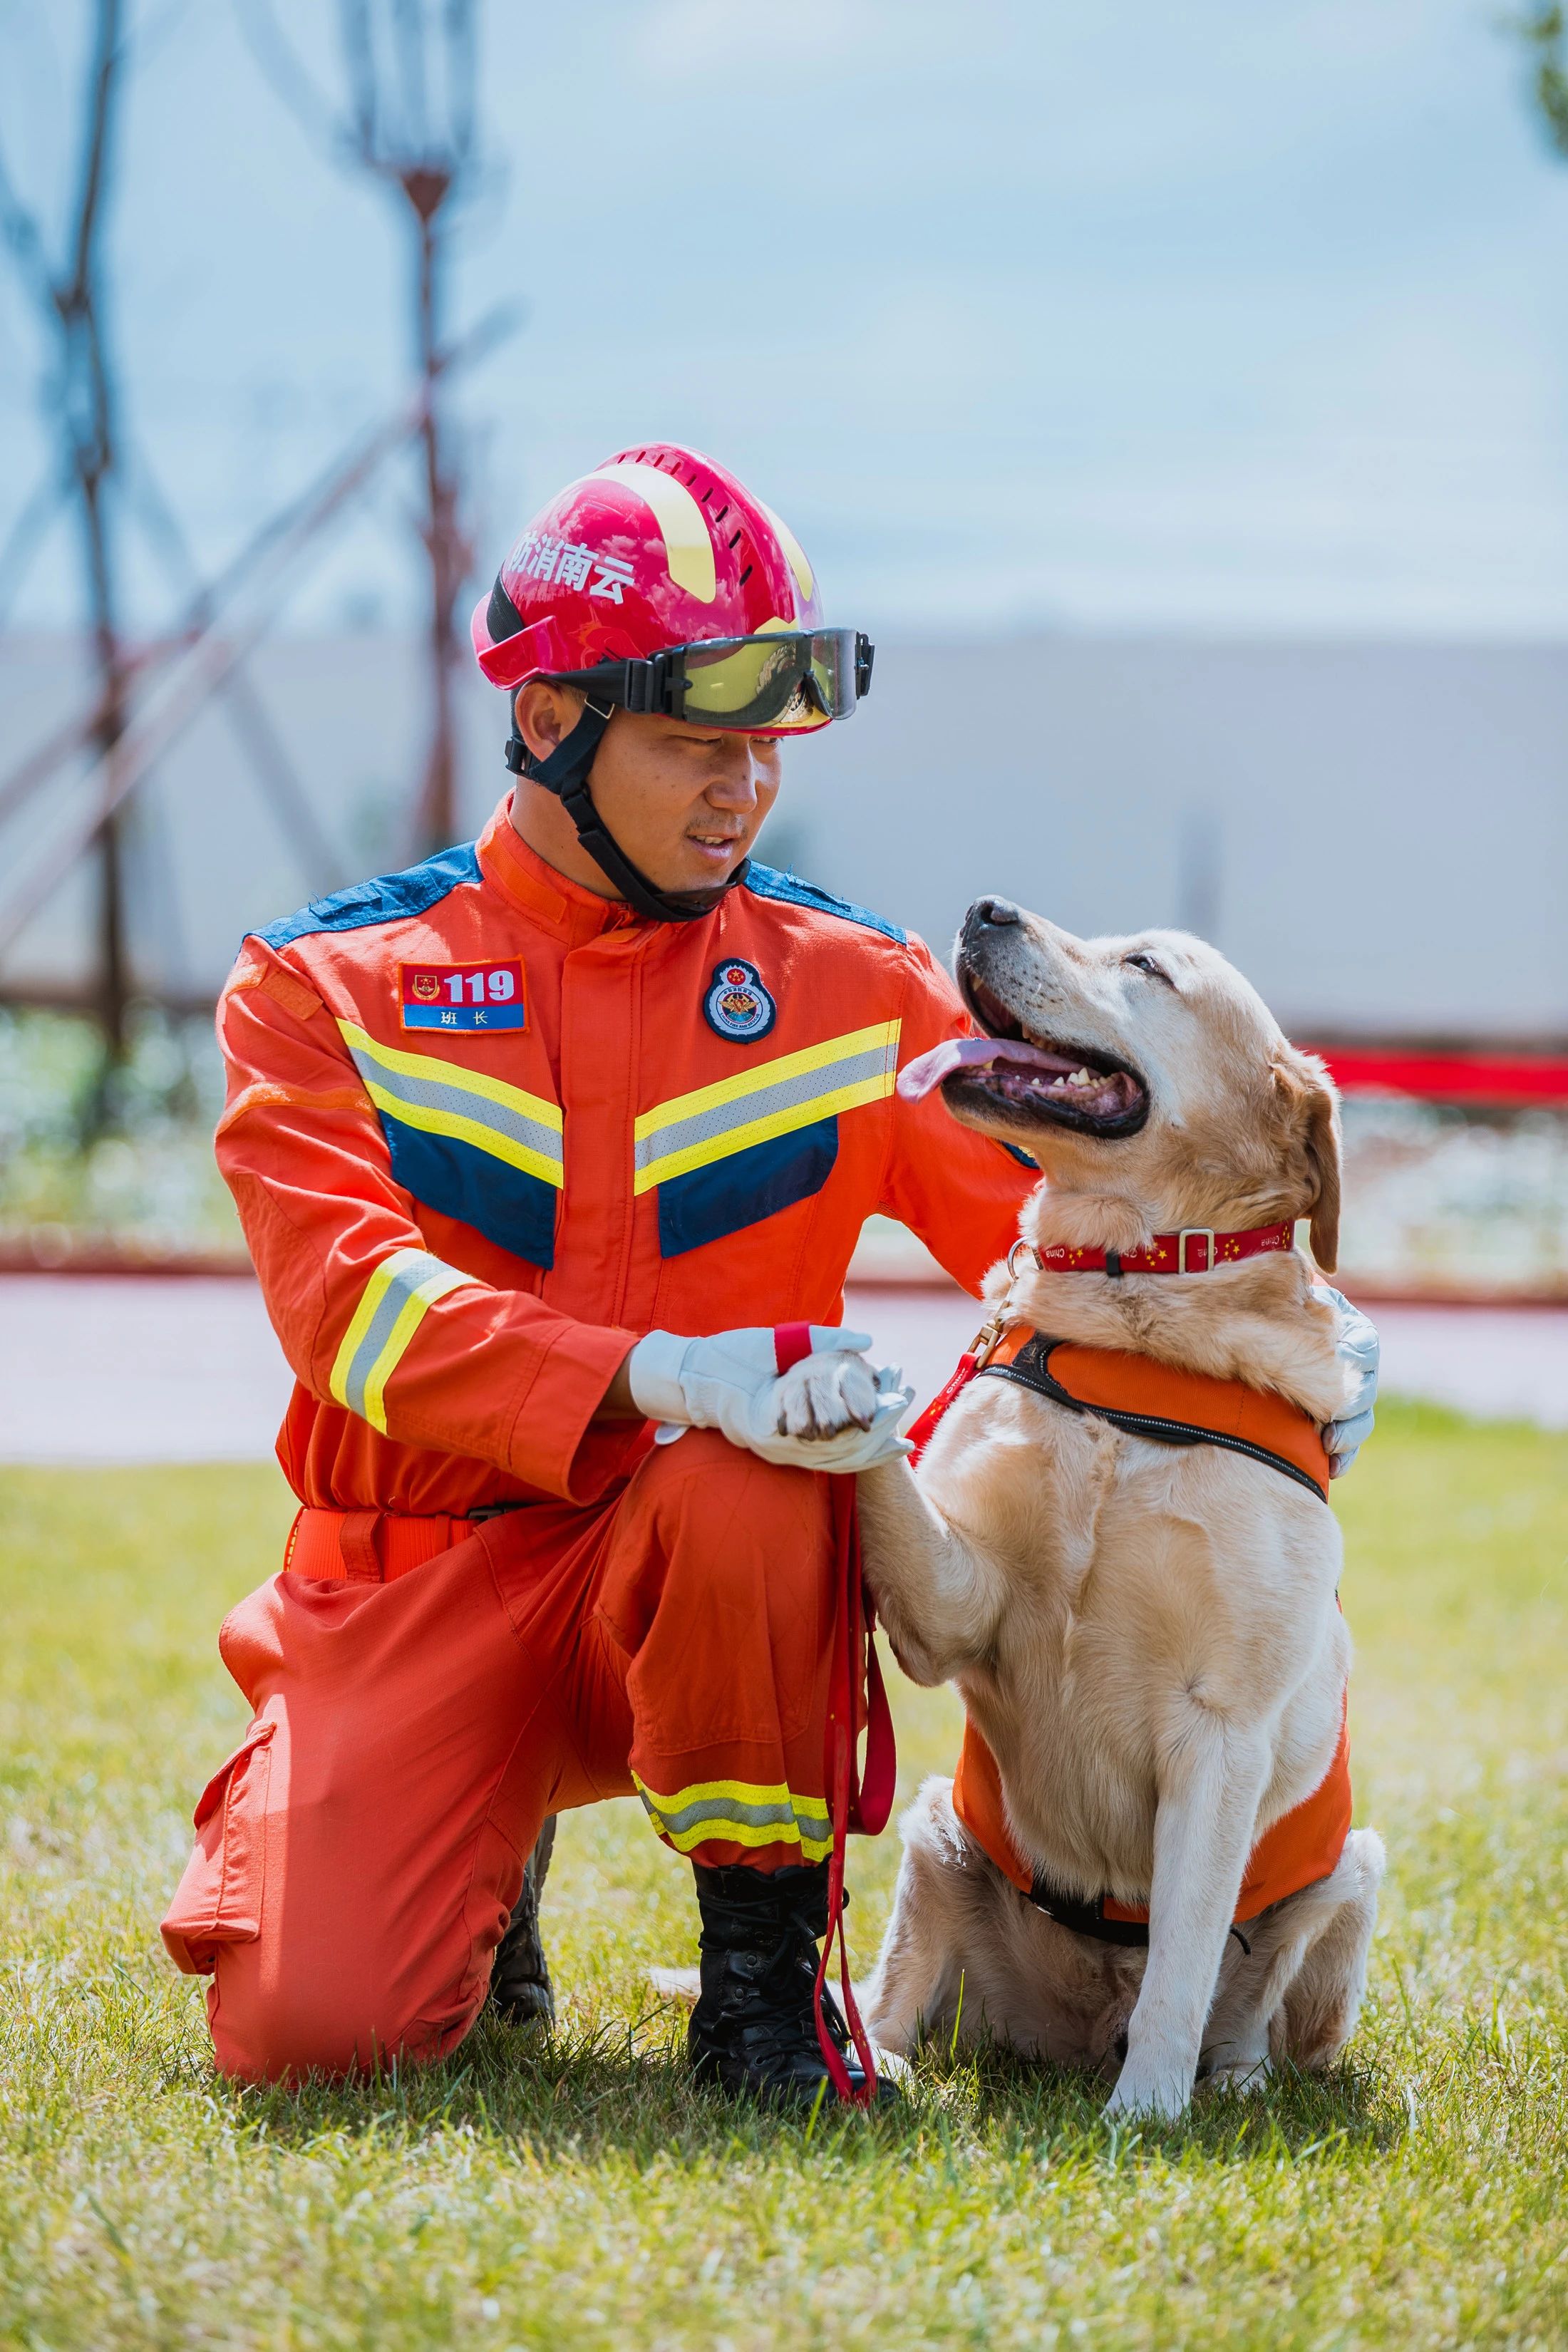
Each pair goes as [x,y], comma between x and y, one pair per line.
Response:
[454,1074]
[392,1307]
[813,1848]
[761,1131]
[712,1122]
[683,525]
[420,1090]
[741,1812]
[464,1130]
[795,555]
[764,1073]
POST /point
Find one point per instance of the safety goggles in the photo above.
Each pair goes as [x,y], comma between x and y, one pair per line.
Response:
[768,685]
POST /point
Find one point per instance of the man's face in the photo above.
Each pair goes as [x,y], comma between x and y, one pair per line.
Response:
[684,802]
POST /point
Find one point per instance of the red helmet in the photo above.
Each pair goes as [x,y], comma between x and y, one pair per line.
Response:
[661,583]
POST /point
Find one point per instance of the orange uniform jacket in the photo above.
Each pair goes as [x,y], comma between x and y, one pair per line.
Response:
[485,1128]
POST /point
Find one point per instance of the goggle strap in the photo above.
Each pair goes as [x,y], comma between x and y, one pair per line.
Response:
[571,758]
[637,685]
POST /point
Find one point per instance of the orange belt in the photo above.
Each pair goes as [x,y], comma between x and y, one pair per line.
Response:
[368,1547]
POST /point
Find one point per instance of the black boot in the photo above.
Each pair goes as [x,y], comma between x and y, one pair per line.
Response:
[753,2029]
[520,1980]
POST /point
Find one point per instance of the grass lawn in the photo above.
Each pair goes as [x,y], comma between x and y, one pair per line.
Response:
[580,2192]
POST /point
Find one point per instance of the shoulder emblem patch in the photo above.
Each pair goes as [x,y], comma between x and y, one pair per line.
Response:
[462,995]
[737,1004]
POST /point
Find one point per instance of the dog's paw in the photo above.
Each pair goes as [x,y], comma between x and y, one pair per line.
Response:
[1148,2094]
[1251,2075]
[824,1395]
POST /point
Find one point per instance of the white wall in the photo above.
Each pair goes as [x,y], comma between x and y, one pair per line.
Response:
[1377,832]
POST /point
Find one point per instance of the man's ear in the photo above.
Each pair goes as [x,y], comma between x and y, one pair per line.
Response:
[1314,1108]
[545,714]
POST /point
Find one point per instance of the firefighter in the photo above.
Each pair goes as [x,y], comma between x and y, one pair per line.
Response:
[535,1146]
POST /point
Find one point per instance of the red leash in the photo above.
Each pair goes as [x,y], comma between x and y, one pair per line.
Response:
[923,1427]
[857,1802]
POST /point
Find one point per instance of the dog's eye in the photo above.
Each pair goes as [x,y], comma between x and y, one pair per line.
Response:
[1147,963]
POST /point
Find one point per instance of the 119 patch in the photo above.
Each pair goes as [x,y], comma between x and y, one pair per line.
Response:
[737,1004]
[462,995]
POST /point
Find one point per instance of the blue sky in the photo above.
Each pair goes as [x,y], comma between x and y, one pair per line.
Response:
[1222,319]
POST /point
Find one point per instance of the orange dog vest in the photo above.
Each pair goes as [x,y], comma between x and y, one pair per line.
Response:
[1176,1408]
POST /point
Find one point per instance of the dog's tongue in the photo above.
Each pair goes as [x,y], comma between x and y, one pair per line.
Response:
[917,1079]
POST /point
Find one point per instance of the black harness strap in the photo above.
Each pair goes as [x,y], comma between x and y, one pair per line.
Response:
[1086,1918]
[1090,1919]
[1030,1369]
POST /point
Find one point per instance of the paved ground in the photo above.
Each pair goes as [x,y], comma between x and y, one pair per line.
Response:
[188,1371]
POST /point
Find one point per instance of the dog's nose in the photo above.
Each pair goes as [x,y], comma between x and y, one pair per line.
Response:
[999,912]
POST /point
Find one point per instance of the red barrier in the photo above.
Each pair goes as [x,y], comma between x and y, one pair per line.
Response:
[1511,1081]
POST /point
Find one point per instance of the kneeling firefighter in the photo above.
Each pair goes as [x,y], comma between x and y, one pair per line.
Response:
[539,1147]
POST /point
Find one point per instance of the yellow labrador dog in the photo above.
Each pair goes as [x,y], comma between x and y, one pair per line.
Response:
[1146,1635]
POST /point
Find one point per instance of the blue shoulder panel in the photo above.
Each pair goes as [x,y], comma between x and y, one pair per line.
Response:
[383,900]
[769,883]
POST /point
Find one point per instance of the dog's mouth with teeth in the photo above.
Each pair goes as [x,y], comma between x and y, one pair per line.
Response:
[1028,1080]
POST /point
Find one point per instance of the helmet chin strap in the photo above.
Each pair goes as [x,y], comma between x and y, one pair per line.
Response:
[565,773]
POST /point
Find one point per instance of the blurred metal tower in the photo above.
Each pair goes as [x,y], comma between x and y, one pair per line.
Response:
[410,122]
[81,399]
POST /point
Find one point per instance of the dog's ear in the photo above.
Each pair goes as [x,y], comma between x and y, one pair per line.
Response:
[1312,1104]
[1323,1150]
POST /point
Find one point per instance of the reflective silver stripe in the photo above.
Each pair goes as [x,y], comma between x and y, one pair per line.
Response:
[788,1094]
[739,1812]
[392,1307]
[772,1099]
[442,1098]
[792,1814]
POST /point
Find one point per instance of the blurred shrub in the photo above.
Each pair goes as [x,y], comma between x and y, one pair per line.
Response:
[1441,1197]
[121,1164]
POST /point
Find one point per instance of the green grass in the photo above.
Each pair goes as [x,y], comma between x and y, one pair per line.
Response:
[579,2192]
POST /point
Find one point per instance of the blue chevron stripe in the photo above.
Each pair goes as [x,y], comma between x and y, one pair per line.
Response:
[510,1208]
[729,1194]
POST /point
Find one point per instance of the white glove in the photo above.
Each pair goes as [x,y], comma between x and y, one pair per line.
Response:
[1358,1352]
[830,1411]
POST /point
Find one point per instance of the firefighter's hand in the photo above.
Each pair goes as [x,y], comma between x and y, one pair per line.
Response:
[1358,1352]
[832,1411]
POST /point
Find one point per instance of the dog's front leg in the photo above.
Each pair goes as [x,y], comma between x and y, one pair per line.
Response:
[937,1595]
[1208,1801]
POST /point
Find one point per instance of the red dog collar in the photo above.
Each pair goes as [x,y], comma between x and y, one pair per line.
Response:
[1196,1249]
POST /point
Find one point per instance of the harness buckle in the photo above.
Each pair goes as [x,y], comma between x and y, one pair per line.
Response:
[1193,1233]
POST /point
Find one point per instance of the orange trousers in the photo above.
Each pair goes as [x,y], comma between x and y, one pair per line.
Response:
[358,1856]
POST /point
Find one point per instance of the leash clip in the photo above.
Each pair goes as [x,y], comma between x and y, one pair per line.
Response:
[983,1346]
